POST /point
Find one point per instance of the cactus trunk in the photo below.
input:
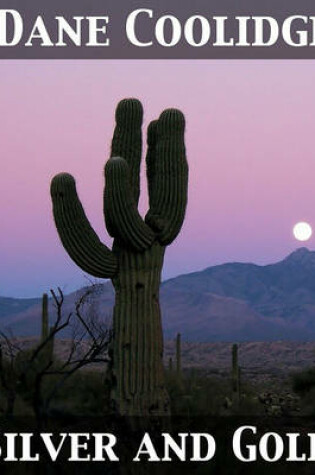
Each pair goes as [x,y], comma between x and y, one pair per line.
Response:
[138,338]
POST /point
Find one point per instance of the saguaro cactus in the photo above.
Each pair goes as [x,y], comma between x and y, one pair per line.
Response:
[135,262]
[170,365]
[178,357]
[45,327]
[45,330]
[236,383]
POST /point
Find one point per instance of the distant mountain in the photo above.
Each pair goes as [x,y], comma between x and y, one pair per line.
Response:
[229,302]
[11,306]
[247,301]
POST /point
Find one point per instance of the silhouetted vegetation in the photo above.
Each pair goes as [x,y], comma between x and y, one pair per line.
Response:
[303,383]
[78,381]
[33,381]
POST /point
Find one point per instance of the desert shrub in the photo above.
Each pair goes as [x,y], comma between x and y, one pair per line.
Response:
[304,381]
[197,393]
[86,392]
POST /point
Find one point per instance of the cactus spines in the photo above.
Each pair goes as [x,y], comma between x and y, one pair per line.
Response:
[136,259]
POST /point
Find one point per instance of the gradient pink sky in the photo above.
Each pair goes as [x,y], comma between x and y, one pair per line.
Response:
[250,143]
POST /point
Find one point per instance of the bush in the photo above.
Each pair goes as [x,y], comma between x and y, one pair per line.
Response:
[304,381]
[199,394]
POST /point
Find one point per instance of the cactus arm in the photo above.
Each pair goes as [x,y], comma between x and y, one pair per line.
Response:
[75,231]
[156,222]
[167,172]
[127,139]
[122,218]
[151,151]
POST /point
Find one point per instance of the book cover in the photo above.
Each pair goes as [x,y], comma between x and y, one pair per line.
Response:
[157,271]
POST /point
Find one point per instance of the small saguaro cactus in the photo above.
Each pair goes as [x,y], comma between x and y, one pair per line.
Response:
[178,357]
[45,329]
[170,365]
[135,262]
[236,384]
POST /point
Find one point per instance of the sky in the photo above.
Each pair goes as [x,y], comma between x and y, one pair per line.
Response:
[250,137]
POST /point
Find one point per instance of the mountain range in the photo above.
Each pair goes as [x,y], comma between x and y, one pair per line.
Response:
[228,302]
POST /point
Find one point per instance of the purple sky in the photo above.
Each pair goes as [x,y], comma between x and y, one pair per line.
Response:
[250,142]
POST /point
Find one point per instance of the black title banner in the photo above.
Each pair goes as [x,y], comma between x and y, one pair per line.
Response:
[173,29]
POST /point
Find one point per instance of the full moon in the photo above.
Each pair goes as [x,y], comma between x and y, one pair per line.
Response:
[302,231]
